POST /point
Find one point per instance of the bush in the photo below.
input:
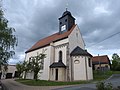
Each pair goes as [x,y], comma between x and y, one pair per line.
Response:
[103,86]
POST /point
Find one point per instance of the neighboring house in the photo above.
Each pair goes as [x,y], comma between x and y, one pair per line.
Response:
[101,63]
[66,57]
[10,73]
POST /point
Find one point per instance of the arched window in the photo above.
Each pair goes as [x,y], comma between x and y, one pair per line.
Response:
[60,56]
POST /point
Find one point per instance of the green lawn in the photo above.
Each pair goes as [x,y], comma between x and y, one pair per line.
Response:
[48,83]
[98,76]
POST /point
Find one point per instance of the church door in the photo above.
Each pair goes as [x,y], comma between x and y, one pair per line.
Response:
[56,77]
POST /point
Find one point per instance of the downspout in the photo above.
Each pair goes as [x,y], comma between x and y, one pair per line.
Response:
[86,69]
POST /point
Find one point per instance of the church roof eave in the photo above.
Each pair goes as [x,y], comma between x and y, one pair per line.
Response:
[57,65]
[80,52]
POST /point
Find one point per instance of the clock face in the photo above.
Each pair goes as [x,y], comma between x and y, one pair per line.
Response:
[63,28]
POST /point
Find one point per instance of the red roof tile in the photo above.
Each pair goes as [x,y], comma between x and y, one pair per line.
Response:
[46,41]
[102,59]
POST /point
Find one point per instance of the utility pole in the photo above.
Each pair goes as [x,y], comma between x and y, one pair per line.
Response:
[99,63]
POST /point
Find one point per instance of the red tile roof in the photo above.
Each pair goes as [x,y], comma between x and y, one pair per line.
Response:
[46,41]
[102,59]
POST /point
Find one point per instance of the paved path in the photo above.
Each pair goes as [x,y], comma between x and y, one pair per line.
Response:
[10,84]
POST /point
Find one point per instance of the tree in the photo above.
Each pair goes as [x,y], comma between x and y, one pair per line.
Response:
[36,63]
[7,40]
[26,67]
[23,67]
[20,68]
[115,62]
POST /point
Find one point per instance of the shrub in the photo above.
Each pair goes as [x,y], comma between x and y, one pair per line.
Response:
[103,86]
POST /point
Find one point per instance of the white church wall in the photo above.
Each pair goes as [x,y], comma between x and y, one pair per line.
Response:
[61,46]
[79,68]
[89,69]
[61,42]
[61,74]
[63,49]
[75,39]
[45,72]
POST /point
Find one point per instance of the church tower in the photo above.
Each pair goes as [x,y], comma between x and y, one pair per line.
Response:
[66,22]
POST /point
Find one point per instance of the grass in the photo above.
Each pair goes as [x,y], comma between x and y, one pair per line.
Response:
[97,75]
[48,83]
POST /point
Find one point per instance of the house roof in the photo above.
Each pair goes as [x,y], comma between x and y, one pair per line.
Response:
[101,59]
[53,38]
[57,64]
[79,51]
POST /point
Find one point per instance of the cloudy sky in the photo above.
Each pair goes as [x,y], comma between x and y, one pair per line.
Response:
[36,19]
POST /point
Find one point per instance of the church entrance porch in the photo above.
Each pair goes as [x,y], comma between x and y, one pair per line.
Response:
[57,71]
[57,74]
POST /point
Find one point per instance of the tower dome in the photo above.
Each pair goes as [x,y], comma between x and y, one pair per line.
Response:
[66,13]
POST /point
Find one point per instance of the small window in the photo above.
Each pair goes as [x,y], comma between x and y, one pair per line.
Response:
[60,56]
[76,61]
[65,20]
[89,62]
[60,23]
[42,64]
[77,35]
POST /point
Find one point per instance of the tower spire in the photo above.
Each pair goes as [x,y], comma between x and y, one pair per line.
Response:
[66,5]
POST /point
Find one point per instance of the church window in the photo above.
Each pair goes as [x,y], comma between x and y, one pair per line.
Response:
[42,64]
[60,22]
[77,35]
[89,62]
[60,56]
[76,61]
[65,20]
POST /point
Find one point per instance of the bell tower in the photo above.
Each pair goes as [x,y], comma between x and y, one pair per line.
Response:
[66,22]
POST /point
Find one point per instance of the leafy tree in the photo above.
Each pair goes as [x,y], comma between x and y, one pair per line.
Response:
[115,62]
[23,67]
[26,68]
[36,63]
[7,40]
[20,68]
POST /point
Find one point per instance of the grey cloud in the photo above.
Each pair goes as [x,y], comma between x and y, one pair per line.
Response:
[36,19]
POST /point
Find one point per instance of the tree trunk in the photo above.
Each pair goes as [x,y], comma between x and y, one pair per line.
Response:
[35,76]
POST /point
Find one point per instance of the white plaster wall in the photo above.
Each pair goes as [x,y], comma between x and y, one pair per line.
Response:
[64,50]
[30,75]
[61,74]
[52,74]
[89,69]
[12,69]
[45,72]
[102,65]
[79,68]
[61,42]
[74,40]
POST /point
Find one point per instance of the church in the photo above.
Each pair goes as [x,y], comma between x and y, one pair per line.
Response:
[66,57]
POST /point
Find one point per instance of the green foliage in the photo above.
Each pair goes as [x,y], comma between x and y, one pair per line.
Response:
[100,75]
[20,68]
[36,63]
[23,67]
[115,62]
[103,86]
[7,40]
